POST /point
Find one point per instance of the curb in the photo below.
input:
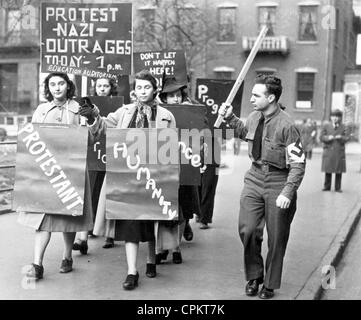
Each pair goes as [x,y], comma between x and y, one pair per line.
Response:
[3,211]
[313,290]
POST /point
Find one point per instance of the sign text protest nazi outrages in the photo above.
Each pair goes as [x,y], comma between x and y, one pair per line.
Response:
[93,40]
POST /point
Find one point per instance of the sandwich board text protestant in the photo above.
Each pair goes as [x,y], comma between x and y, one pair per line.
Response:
[50,169]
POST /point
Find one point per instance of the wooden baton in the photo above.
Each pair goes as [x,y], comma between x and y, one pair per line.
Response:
[243,72]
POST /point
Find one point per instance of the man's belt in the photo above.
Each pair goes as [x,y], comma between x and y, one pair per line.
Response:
[268,168]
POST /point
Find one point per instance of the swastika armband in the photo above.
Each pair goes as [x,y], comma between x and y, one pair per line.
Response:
[294,153]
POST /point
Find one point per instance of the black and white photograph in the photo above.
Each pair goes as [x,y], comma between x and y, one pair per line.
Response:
[194,152]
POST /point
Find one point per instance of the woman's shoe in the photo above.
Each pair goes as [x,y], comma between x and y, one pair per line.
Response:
[109,243]
[35,272]
[151,271]
[204,226]
[82,246]
[66,265]
[161,256]
[177,257]
[131,281]
[188,232]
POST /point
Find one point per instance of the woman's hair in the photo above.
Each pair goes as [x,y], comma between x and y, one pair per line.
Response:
[184,92]
[71,86]
[113,87]
[145,75]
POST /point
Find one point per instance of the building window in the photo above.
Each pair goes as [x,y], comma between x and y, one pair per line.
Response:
[13,26]
[145,24]
[308,23]
[188,22]
[9,87]
[223,75]
[223,72]
[266,71]
[227,24]
[305,88]
[267,17]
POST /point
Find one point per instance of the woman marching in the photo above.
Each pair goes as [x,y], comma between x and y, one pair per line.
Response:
[140,114]
[60,108]
[103,88]
[174,92]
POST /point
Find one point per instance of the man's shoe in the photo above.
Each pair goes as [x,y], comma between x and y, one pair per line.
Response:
[326,189]
[339,190]
[109,243]
[35,272]
[188,232]
[252,287]
[204,226]
[266,293]
[82,246]
[66,265]
[131,281]
[151,271]
[177,257]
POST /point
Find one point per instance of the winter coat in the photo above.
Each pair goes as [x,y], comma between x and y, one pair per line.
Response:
[334,157]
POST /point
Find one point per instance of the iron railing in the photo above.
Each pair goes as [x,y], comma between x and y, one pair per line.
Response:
[6,166]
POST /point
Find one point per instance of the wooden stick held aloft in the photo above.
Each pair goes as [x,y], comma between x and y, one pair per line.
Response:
[243,72]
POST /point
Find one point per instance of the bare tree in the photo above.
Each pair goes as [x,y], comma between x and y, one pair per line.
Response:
[175,25]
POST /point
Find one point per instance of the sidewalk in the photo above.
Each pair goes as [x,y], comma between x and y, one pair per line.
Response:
[213,266]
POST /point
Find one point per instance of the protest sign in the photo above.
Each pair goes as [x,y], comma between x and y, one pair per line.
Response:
[96,157]
[212,93]
[172,62]
[105,105]
[189,117]
[142,174]
[92,39]
[123,88]
[50,169]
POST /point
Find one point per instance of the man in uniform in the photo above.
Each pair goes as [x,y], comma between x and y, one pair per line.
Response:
[269,194]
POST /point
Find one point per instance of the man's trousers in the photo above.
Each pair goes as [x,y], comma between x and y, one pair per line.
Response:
[258,206]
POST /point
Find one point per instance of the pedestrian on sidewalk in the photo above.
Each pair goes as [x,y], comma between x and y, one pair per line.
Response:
[308,135]
[60,108]
[145,112]
[209,181]
[270,186]
[102,87]
[334,137]
[175,92]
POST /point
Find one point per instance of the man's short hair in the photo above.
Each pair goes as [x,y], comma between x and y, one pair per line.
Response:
[272,83]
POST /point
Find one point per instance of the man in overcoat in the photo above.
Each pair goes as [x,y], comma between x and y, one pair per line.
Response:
[334,138]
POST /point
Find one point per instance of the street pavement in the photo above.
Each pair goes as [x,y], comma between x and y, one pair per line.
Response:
[213,265]
[346,285]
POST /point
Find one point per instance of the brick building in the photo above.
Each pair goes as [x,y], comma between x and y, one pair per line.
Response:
[310,45]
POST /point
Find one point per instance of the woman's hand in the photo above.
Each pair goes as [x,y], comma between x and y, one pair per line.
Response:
[88,110]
